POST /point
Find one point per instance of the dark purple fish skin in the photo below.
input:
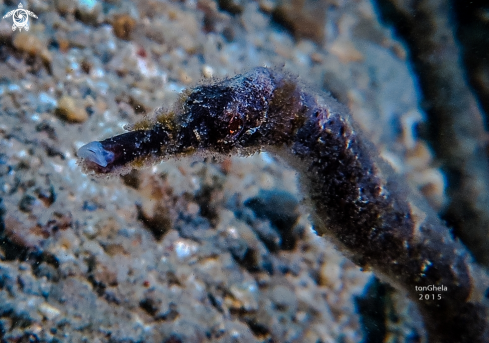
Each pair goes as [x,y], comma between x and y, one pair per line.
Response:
[358,201]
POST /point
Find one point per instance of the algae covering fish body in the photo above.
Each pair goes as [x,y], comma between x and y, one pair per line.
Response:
[357,200]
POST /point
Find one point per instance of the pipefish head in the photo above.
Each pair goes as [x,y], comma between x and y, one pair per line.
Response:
[119,153]
[228,114]
[95,154]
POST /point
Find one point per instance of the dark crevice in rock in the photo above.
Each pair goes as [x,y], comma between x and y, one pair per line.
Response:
[282,210]
[371,307]
[159,224]
[260,331]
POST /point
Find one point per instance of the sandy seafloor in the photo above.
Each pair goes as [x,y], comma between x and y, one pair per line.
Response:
[186,251]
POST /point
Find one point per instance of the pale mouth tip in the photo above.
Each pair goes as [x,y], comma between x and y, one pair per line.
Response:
[94,152]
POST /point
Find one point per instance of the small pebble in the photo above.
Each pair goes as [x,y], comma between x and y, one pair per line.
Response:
[89,10]
[345,51]
[48,311]
[65,6]
[207,71]
[330,275]
[193,208]
[123,25]
[71,110]
[32,45]
[283,297]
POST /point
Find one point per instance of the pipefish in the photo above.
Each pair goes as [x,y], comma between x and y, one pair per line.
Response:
[356,199]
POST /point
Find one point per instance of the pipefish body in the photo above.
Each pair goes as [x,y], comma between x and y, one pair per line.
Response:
[357,200]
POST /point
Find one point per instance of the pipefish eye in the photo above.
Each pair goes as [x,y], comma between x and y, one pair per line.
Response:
[235,125]
[231,123]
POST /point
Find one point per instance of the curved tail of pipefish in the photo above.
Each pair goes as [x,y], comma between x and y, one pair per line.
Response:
[359,203]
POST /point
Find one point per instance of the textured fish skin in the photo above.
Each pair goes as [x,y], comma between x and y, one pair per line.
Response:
[357,201]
